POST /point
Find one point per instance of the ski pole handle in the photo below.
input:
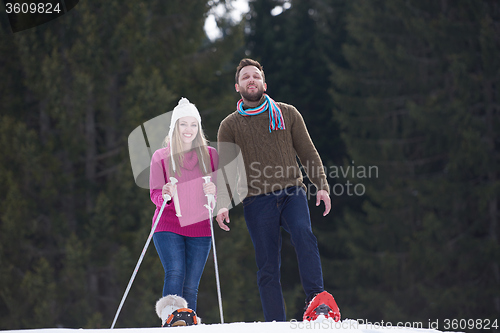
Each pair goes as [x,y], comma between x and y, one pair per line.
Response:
[176,198]
[210,197]
[166,197]
[207,180]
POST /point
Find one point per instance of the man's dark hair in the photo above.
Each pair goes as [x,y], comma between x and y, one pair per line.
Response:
[248,62]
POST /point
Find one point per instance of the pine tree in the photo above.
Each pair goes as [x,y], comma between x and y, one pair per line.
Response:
[418,102]
[77,87]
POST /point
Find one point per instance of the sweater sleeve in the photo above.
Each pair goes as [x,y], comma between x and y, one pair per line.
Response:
[157,179]
[215,160]
[226,152]
[307,153]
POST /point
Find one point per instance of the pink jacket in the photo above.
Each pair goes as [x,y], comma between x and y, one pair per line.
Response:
[189,189]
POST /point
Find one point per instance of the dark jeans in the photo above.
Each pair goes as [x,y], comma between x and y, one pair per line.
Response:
[183,259]
[265,215]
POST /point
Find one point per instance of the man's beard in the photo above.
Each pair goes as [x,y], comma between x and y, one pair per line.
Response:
[252,97]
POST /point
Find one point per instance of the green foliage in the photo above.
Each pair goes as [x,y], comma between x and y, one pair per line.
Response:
[410,87]
[413,86]
[72,220]
[418,101]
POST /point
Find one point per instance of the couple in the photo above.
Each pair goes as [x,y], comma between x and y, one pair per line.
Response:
[270,135]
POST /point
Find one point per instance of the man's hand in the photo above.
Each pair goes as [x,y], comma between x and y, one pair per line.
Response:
[223,214]
[323,196]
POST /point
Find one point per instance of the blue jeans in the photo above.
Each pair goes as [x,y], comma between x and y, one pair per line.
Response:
[265,215]
[183,259]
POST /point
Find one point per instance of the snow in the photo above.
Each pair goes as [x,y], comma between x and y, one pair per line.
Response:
[346,325]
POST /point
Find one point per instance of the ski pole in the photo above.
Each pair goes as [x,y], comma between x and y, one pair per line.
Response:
[211,200]
[166,198]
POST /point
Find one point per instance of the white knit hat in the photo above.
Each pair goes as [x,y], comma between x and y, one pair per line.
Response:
[183,109]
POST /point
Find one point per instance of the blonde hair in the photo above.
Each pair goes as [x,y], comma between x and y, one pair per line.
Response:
[199,144]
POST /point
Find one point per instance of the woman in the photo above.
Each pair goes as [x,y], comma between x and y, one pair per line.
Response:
[183,242]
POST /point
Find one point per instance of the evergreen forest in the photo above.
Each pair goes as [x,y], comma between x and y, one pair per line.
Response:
[401,98]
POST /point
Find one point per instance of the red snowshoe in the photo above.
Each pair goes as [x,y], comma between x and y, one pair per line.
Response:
[181,317]
[322,304]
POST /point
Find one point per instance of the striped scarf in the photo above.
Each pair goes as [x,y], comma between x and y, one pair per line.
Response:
[276,120]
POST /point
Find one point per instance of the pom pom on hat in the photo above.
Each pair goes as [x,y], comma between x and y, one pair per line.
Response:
[185,108]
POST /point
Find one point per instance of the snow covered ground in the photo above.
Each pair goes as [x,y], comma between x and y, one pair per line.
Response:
[347,325]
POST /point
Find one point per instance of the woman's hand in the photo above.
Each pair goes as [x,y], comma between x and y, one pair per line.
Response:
[209,188]
[169,189]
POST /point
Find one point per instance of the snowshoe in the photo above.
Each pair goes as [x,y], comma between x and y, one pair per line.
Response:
[322,304]
[181,317]
[173,311]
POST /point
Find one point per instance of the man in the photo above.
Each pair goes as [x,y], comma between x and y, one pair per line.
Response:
[270,135]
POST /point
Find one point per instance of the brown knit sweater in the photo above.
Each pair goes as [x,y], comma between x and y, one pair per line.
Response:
[269,158]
